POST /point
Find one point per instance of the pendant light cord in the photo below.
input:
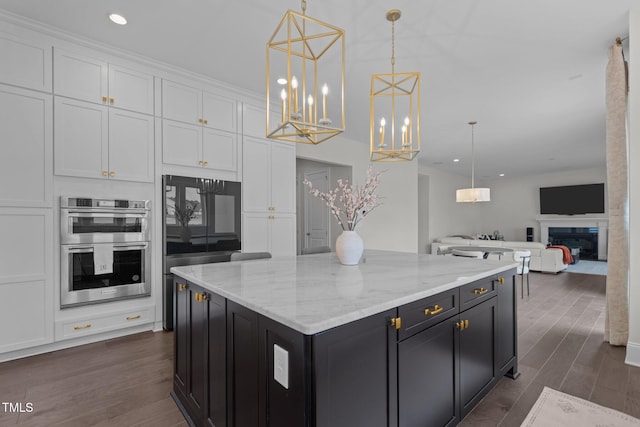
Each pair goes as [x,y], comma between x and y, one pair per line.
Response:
[393,46]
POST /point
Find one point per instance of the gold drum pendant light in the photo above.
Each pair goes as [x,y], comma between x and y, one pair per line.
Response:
[394,110]
[473,194]
[305,80]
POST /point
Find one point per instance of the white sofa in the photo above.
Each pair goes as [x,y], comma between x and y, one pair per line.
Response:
[547,260]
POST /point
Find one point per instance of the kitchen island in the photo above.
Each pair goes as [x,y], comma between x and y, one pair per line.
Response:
[401,339]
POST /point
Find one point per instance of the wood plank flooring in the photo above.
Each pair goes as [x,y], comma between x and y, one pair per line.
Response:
[126,381]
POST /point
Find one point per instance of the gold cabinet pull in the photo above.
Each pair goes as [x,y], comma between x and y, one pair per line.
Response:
[133,317]
[200,162]
[480,291]
[206,122]
[396,322]
[112,173]
[87,326]
[196,296]
[436,309]
[500,280]
[199,120]
[105,173]
[104,99]
[181,287]
[111,100]
[462,325]
[206,163]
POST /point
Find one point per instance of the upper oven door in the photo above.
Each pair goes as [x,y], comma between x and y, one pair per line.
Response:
[104,226]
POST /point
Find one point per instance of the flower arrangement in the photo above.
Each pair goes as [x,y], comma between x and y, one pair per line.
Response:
[356,201]
[183,216]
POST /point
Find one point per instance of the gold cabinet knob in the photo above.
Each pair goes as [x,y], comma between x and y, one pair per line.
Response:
[111,100]
[480,291]
[104,99]
[200,162]
[396,322]
[500,280]
[112,173]
[105,173]
[181,287]
[462,325]
[206,163]
[206,122]
[199,120]
[435,310]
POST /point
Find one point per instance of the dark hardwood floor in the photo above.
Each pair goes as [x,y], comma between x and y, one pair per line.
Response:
[126,381]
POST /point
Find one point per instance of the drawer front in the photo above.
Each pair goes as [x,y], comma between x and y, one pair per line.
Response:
[419,315]
[93,325]
[478,291]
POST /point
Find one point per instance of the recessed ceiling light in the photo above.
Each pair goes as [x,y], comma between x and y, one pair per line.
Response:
[456,160]
[282,81]
[501,174]
[117,19]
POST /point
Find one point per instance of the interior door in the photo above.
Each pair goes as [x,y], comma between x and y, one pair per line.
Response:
[316,212]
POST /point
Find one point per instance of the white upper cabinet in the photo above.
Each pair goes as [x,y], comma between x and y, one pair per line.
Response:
[26,123]
[94,141]
[269,176]
[196,106]
[25,62]
[89,79]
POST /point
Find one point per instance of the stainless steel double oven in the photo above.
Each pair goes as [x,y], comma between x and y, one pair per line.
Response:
[104,250]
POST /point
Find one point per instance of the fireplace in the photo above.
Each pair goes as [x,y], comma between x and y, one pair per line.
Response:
[583,238]
[587,233]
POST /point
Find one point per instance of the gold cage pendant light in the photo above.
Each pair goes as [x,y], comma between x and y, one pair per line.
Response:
[473,194]
[305,80]
[394,110]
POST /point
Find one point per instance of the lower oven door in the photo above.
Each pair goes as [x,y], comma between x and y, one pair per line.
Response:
[103,272]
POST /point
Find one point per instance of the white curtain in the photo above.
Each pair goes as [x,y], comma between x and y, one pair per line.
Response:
[617,307]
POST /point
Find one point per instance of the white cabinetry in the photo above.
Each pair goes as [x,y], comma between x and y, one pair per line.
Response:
[268,195]
[27,146]
[25,62]
[89,79]
[199,128]
[26,278]
[98,142]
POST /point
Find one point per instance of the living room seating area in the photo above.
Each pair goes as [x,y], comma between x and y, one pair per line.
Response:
[543,259]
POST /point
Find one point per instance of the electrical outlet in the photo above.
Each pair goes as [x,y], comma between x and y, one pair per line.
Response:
[281,366]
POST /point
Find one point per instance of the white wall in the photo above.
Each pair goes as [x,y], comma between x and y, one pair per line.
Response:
[424,238]
[633,346]
[392,226]
[515,202]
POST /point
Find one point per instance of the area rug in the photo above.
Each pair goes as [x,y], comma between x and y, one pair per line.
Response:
[557,409]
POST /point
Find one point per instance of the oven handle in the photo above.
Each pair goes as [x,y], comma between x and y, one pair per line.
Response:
[141,246]
[105,213]
[81,249]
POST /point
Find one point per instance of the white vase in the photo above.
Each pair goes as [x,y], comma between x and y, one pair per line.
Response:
[349,247]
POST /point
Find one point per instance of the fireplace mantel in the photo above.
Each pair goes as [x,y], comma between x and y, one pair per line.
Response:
[601,222]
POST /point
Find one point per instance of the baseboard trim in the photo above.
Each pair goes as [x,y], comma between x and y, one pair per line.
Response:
[633,354]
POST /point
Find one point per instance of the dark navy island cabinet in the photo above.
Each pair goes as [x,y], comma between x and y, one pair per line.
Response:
[426,363]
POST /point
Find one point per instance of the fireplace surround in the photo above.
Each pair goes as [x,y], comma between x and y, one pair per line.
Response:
[598,227]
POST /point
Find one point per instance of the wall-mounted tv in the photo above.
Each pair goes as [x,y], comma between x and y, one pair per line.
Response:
[572,199]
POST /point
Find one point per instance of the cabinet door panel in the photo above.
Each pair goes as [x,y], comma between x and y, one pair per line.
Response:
[130,146]
[79,77]
[24,312]
[181,143]
[507,325]
[198,360]
[283,177]
[283,235]
[255,233]
[351,373]
[216,410]
[81,133]
[181,343]
[219,112]
[131,89]
[25,63]
[427,377]
[27,142]
[180,102]
[255,175]
[219,150]
[477,352]
[254,121]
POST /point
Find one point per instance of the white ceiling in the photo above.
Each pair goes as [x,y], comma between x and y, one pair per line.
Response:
[530,72]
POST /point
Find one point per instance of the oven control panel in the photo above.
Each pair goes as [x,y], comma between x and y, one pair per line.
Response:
[85,202]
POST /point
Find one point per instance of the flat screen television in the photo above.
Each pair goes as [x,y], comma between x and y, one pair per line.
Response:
[572,199]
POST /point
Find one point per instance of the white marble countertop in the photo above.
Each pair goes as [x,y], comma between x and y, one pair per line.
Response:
[314,293]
